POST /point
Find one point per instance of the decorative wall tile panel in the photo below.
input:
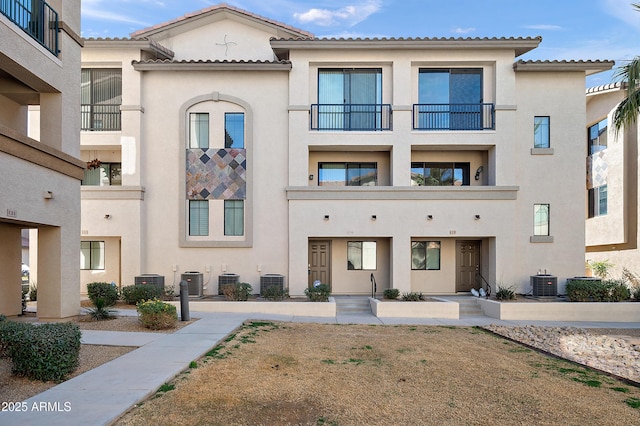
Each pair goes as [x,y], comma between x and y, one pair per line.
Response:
[216,174]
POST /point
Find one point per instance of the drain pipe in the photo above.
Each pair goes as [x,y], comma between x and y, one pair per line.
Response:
[184,301]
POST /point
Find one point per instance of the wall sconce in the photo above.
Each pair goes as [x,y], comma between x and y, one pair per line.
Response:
[310,177]
[429,217]
[326,217]
[107,216]
[477,217]
[374,217]
[47,195]
[478,171]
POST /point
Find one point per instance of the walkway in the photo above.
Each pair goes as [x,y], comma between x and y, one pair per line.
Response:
[102,395]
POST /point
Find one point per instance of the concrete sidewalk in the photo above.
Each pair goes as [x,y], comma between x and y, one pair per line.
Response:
[102,395]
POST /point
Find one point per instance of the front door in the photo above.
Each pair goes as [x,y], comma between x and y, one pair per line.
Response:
[320,262]
[467,264]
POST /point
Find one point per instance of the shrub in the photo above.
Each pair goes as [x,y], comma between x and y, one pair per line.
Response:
[43,352]
[505,293]
[274,292]
[391,293]
[318,293]
[101,311]
[636,294]
[156,314]
[597,291]
[132,294]
[601,268]
[169,293]
[237,291]
[33,292]
[412,297]
[100,290]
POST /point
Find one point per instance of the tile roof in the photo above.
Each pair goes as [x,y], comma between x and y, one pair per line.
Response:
[607,87]
[214,8]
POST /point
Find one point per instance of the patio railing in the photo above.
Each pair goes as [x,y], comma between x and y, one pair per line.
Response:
[36,18]
[453,117]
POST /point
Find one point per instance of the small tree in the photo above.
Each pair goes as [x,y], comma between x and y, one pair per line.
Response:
[601,268]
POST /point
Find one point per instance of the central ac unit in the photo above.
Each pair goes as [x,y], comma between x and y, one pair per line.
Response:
[271,280]
[544,285]
[150,279]
[225,279]
[194,281]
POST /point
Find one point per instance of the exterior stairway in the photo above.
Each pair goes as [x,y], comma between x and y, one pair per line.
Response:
[352,305]
[469,307]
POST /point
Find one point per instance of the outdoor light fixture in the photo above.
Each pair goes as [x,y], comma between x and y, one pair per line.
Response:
[477,217]
[429,217]
[478,171]
[310,177]
[326,217]
[374,217]
[107,216]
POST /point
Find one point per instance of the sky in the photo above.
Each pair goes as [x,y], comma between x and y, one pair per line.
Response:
[570,29]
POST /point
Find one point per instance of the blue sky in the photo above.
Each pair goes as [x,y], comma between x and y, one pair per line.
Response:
[570,29]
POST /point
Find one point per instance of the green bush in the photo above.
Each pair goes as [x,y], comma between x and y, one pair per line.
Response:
[156,314]
[412,297]
[274,292]
[391,293]
[33,292]
[597,291]
[319,293]
[43,352]
[505,293]
[101,311]
[237,291]
[636,294]
[132,294]
[100,290]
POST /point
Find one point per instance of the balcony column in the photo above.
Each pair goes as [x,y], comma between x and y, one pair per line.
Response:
[10,280]
[401,165]
[400,260]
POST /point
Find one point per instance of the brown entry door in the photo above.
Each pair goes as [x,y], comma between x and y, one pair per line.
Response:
[320,262]
[467,263]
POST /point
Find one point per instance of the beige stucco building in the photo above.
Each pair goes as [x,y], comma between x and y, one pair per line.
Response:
[40,178]
[612,183]
[227,143]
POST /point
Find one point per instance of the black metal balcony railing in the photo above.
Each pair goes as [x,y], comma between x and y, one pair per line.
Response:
[453,117]
[100,117]
[36,18]
[349,117]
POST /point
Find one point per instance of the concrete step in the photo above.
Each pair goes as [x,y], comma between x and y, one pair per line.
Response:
[469,308]
[352,305]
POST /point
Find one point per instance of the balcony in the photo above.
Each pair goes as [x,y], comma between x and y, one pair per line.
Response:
[100,117]
[351,117]
[36,18]
[454,117]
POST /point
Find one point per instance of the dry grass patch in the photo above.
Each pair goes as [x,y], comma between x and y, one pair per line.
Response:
[317,374]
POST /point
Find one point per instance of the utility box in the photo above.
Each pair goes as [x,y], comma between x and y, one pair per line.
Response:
[225,279]
[195,282]
[271,280]
[150,279]
[544,285]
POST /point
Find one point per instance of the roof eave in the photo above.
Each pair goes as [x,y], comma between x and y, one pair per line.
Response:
[588,67]
[209,66]
[519,45]
[150,46]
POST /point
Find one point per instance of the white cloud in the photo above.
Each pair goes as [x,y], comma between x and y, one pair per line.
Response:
[544,27]
[463,30]
[349,15]
[622,10]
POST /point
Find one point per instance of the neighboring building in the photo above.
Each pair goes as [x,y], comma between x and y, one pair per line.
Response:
[227,143]
[612,183]
[40,179]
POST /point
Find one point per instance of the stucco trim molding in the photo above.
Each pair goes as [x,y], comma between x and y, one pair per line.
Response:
[135,108]
[25,148]
[403,193]
[541,239]
[71,33]
[541,151]
[112,192]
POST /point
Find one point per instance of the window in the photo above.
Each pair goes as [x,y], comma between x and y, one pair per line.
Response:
[450,99]
[347,174]
[101,97]
[597,137]
[361,255]
[92,255]
[425,255]
[541,132]
[234,130]
[541,219]
[233,217]
[350,99]
[598,201]
[108,174]
[198,130]
[198,217]
[439,174]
